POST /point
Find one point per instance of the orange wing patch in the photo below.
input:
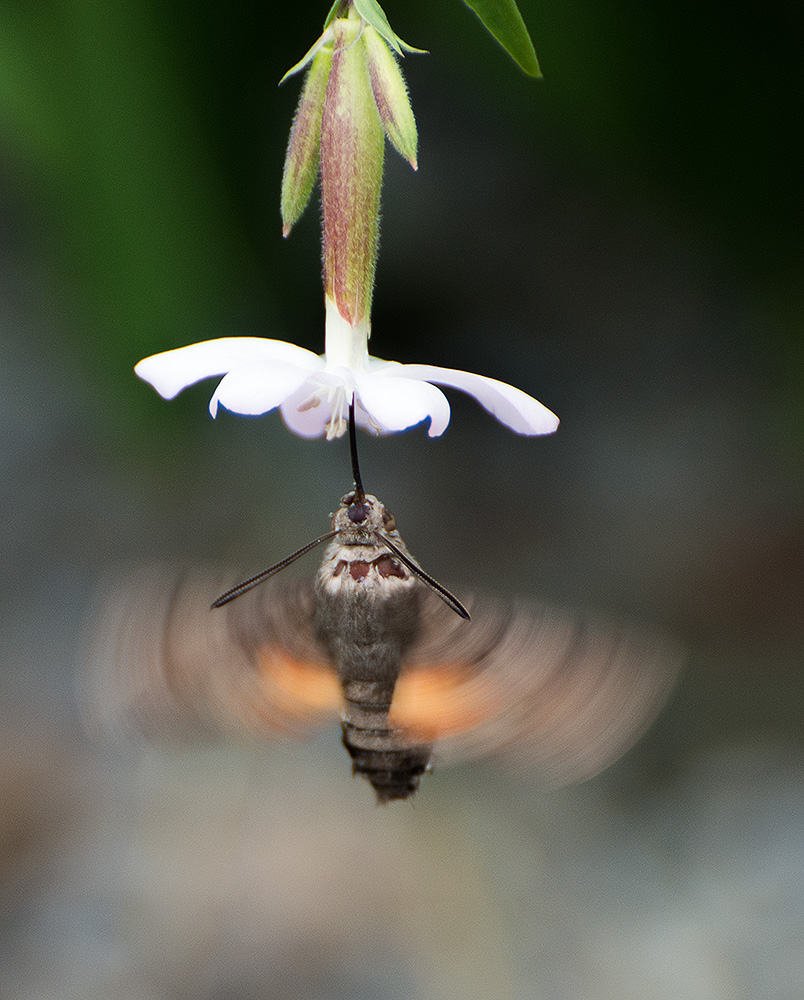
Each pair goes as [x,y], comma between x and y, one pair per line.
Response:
[298,690]
[442,701]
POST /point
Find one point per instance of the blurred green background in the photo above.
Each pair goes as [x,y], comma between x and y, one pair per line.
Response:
[623,240]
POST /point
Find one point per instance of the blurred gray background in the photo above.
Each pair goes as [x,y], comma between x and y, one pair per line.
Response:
[622,240]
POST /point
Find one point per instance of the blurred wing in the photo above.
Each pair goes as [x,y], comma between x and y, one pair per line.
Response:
[159,660]
[563,696]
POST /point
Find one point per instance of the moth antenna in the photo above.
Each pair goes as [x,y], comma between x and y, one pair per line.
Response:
[449,599]
[255,581]
[360,494]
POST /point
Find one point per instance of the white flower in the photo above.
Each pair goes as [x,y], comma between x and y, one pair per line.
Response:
[313,393]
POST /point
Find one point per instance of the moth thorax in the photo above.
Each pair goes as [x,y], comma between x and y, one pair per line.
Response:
[363,568]
[384,566]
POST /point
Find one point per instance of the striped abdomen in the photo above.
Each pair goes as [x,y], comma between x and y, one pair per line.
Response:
[383,755]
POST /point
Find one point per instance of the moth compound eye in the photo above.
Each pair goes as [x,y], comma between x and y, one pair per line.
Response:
[388,520]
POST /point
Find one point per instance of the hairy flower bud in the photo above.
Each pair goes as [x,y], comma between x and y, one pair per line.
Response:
[391,96]
[353,96]
[302,159]
[352,149]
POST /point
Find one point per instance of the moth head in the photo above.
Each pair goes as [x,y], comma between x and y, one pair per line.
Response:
[362,510]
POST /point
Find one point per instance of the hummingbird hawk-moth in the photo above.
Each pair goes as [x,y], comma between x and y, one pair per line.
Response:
[374,638]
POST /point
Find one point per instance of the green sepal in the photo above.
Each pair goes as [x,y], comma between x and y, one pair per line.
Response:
[503,20]
[334,10]
[308,57]
[373,14]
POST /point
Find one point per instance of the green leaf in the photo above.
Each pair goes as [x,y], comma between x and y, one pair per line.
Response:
[373,14]
[503,20]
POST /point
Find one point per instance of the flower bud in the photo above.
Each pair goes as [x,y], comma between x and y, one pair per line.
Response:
[353,96]
[391,96]
[352,150]
[302,158]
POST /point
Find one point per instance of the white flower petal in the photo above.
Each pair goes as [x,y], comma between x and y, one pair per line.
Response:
[308,411]
[257,387]
[172,371]
[512,407]
[310,421]
[262,374]
[398,403]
